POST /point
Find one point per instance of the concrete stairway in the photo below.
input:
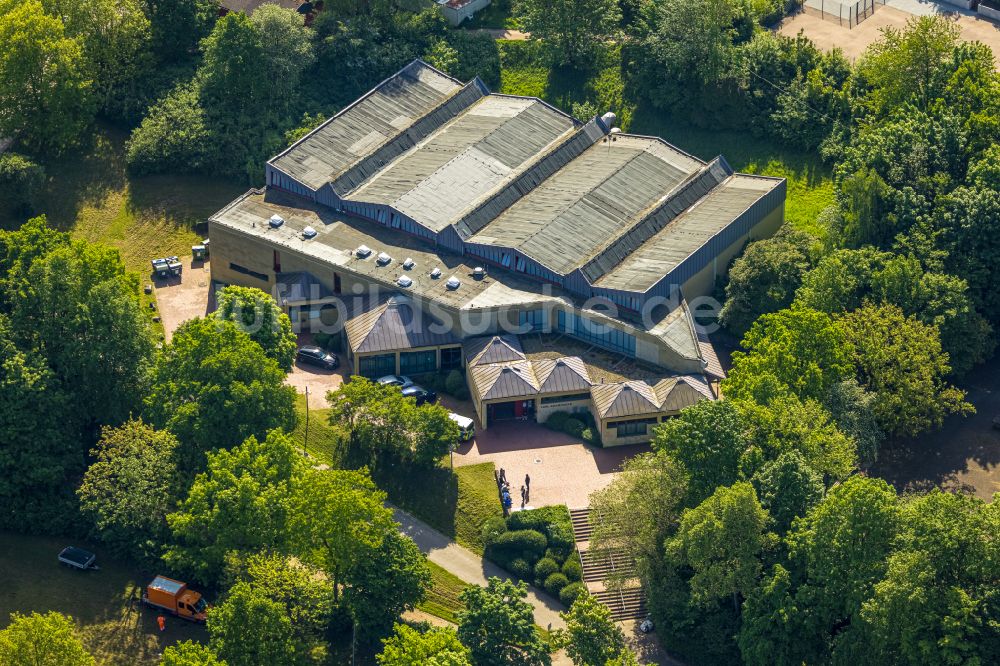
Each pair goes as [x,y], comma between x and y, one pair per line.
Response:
[628,603]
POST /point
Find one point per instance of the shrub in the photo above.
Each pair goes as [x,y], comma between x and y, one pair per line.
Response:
[560,536]
[532,519]
[556,420]
[520,567]
[173,137]
[21,181]
[591,436]
[544,568]
[527,542]
[572,568]
[455,385]
[492,529]
[328,341]
[574,426]
[555,583]
[571,592]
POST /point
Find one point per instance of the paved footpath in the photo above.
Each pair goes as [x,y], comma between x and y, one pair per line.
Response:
[472,568]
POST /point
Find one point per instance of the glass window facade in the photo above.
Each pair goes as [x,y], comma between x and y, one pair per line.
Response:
[415,363]
[555,400]
[377,366]
[599,334]
[533,320]
[632,427]
[451,358]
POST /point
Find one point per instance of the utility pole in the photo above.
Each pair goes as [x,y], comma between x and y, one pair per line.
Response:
[305,441]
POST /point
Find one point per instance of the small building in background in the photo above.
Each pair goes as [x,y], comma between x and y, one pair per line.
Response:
[307,8]
[457,11]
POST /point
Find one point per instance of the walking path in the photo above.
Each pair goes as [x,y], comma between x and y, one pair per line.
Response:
[472,568]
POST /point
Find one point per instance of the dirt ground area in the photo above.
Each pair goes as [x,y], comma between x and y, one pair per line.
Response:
[562,469]
[853,42]
[963,455]
[183,298]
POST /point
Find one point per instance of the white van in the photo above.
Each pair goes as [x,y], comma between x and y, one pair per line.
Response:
[466,426]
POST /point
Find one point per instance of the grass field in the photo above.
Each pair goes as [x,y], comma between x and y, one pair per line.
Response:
[115,630]
[442,599]
[90,194]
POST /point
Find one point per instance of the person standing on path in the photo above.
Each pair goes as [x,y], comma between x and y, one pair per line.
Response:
[527,482]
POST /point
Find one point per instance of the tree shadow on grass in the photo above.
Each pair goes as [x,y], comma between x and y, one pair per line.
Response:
[430,494]
[183,201]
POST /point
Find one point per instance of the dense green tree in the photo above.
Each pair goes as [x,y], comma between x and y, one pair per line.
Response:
[787,487]
[305,593]
[172,137]
[852,409]
[841,549]
[130,487]
[592,638]
[800,350]
[639,509]
[79,308]
[214,387]
[116,40]
[39,451]
[287,50]
[178,25]
[708,439]
[21,181]
[42,640]
[722,540]
[259,316]
[497,625]
[338,520]
[764,278]
[20,247]
[249,629]
[438,646]
[45,94]
[775,625]
[569,30]
[900,360]
[240,503]
[387,582]
[189,653]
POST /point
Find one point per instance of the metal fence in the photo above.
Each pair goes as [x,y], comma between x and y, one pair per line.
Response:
[845,13]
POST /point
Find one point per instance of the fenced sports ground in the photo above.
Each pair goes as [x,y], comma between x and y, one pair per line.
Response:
[847,14]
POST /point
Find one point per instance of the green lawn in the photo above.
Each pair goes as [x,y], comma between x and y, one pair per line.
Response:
[497,15]
[324,439]
[113,629]
[442,599]
[90,194]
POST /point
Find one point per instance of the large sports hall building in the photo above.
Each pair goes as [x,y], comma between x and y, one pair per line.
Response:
[437,225]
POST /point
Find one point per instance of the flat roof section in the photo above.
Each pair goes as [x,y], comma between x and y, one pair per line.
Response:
[362,127]
[659,255]
[567,218]
[466,159]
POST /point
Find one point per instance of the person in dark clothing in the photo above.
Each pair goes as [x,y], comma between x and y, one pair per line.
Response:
[503,475]
[527,482]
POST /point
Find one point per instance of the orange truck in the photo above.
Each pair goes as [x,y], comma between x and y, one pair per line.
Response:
[176,598]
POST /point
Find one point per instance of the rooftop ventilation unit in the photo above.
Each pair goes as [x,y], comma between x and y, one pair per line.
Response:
[276,221]
[436,273]
[478,272]
[404,281]
[609,119]
[363,251]
[382,259]
[453,283]
[309,232]
[408,263]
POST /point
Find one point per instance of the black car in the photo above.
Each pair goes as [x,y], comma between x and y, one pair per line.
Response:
[419,393]
[317,356]
[395,380]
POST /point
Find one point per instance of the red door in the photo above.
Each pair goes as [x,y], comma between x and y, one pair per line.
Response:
[518,409]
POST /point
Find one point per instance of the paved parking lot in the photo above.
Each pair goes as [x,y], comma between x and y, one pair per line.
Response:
[562,469]
[183,298]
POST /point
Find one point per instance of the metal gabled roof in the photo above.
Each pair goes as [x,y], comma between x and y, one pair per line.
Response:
[396,324]
[676,393]
[562,375]
[504,380]
[495,349]
[624,399]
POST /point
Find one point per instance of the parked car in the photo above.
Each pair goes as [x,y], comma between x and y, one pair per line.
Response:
[78,558]
[395,380]
[466,426]
[317,356]
[420,394]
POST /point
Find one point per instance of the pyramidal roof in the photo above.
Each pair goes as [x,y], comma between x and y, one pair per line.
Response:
[632,398]
[495,349]
[396,324]
[568,373]
[506,380]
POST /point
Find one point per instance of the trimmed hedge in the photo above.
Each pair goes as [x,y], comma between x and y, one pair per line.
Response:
[555,583]
[572,568]
[569,594]
[520,567]
[544,568]
[492,529]
[516,542]
[580,425]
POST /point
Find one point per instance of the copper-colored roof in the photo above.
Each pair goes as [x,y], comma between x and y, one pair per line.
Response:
[504,380]
[562,375]
[635,398]
[495,349]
